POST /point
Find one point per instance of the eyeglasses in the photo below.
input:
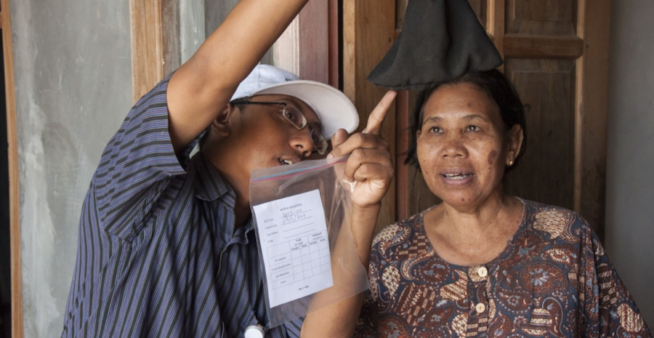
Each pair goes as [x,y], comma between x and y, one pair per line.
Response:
[297,119]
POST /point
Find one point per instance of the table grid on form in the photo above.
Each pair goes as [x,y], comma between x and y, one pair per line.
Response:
[300,259]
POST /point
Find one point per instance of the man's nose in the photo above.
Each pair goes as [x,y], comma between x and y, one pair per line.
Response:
[301,141]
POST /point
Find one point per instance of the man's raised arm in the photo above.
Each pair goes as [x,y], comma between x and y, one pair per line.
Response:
[202,86]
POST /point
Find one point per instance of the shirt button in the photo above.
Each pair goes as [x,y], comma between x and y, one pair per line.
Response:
[482,272]
[480,308]
[254,331]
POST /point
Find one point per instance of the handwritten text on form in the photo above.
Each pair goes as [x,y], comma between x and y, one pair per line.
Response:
[295,246]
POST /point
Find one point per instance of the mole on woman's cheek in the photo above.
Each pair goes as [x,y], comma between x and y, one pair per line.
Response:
[492,156]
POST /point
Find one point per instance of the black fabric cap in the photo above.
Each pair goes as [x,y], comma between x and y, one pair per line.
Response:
[440,40]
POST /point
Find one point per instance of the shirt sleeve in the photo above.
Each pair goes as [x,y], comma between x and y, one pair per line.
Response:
[609,310]
[137,165]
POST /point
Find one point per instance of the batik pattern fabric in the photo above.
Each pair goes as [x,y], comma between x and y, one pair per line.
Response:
[552,280]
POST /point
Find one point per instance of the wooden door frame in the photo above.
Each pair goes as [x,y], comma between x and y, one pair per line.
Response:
[591,105]
[147,36]
[14,187]
[368,33]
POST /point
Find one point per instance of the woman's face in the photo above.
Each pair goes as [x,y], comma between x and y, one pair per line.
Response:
[462,146]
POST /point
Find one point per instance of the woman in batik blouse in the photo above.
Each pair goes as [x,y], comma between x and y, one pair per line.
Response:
[483,263]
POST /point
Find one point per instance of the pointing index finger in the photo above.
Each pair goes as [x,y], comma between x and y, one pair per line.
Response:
[378,114]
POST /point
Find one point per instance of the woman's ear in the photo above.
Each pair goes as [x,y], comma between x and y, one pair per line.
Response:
[221,125]
[516,135]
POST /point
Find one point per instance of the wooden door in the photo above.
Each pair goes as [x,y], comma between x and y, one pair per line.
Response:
[555,52]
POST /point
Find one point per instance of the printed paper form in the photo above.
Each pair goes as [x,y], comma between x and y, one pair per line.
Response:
[295,246]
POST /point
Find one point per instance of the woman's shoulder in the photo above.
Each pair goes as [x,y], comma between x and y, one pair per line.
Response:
[558,221]
[398,232]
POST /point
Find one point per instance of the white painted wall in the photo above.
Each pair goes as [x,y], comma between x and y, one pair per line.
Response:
[72,63]
[630,170]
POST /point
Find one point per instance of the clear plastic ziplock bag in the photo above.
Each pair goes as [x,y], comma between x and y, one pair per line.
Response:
[302,216]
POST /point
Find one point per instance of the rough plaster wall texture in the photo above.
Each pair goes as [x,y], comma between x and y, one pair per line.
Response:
[192,27]
[73,88]
[630,169]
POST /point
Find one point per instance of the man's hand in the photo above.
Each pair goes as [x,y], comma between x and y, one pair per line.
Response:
[369,168]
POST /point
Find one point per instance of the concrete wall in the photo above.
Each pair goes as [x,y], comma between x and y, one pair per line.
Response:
[73,85]
[630,181]
[192,27]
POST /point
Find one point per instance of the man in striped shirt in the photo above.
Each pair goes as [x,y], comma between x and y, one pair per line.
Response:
[166,242]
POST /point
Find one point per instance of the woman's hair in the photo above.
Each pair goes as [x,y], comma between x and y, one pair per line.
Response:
[498,88]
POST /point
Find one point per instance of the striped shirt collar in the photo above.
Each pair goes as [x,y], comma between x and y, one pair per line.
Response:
[209,184]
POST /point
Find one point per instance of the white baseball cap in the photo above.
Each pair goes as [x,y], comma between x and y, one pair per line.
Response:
[333,108]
